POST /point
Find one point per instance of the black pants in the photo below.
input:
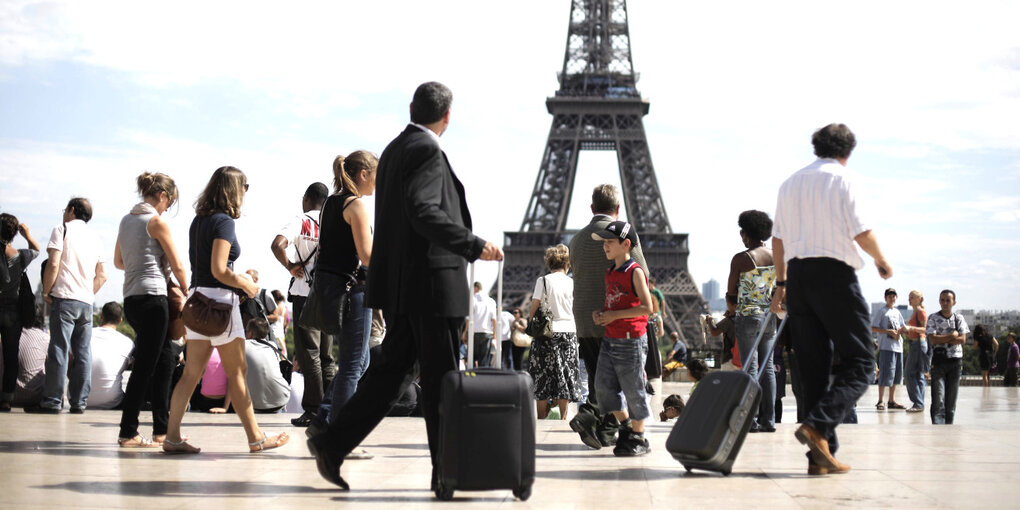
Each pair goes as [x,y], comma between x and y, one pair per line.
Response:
[154,364]
[653,363]
[1008,379]
[10,337]
[434,342]
[588,348]
[314,352]
[517,356]
[828,313]
[483,349]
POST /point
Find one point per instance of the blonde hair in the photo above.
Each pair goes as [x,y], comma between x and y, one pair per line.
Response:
[152,184]
[224,193]
[919,295]
[557,257]
[346,170]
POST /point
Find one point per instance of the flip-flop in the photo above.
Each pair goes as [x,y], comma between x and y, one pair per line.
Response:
[278,440]
[182,446]
[136,442]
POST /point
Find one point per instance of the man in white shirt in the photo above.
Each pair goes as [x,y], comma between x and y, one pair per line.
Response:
[816,226]
[312,348]
[73,274]
[484,315]
[111,351]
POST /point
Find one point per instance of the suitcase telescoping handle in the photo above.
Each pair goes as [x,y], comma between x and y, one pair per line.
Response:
[496,333]
[754,348]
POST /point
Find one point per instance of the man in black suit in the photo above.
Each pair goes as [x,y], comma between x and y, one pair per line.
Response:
[418,278]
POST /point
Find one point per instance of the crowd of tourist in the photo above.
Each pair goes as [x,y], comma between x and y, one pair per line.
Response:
[603,317]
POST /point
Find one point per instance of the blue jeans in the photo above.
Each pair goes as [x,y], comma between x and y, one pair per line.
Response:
[916,366]
[353,358]
[890,368]
[70,329]
[945,383]
[621,373]
[748,327]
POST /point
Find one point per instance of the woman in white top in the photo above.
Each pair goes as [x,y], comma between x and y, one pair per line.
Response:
[554,363]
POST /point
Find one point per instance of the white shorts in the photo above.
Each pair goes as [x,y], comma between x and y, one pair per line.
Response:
[234,330]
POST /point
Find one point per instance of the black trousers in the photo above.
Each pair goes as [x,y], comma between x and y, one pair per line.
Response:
[588,349]
[828,315]
[434,342]
[314,352]
[10,337]
[154,364]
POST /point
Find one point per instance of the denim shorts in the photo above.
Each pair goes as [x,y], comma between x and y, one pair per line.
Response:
[621,374]
[890,368]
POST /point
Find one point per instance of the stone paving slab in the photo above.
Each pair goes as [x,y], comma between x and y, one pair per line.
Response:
[899,460]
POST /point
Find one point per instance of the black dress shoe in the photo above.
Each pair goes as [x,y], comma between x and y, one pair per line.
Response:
[38,409]
[77,410]
[315,428]
[304,420]
[328,468]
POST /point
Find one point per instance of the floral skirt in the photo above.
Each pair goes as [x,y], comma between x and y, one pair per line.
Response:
[554,366]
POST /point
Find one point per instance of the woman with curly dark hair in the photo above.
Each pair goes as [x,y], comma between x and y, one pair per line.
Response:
[14,262]
[748,295]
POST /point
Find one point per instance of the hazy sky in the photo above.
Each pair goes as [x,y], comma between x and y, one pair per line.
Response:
[94,93]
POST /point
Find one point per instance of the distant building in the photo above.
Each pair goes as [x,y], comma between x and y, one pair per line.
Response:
[710,291]
[996,321]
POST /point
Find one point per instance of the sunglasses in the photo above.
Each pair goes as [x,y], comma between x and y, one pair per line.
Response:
[246,187]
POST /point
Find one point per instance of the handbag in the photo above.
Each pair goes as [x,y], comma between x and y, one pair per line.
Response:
[327,303]
[520,338]
[540,324]
[26,302]
[206,316]
[175,306]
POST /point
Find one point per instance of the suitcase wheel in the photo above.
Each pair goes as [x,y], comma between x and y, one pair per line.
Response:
[523,493]
[444,493]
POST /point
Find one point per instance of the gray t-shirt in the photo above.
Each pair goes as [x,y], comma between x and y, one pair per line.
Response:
[268,388]
[889,318]
[16,266]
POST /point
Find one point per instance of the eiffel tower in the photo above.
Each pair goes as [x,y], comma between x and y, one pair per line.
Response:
[598,107]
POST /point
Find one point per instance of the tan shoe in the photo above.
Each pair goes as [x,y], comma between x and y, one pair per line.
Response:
[814,469]
[819,446]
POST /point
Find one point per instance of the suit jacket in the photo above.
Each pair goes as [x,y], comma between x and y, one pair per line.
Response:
[423,237]
[589,263]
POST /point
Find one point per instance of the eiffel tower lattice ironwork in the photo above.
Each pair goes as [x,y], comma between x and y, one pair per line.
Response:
[598,107]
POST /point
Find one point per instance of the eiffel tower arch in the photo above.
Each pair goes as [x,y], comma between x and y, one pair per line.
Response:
[598,107]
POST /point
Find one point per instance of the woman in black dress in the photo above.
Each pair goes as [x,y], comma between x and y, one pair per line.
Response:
[986,345]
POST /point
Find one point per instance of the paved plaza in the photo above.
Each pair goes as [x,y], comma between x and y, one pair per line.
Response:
[899,460]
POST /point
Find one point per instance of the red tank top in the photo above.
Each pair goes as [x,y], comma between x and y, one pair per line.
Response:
[620,295]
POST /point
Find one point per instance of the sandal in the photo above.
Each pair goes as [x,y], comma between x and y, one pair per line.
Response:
[136,442]
[880,406]
[358,454]
[894,405]
[277,441]
[181,446]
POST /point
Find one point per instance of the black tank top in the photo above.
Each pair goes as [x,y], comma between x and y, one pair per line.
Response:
[337,253]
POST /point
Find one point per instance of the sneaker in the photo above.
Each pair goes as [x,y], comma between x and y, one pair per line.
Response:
[631,444]
[304,420]
[915,409]
[38,409]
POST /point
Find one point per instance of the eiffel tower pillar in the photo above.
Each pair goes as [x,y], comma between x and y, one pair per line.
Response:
[598,107]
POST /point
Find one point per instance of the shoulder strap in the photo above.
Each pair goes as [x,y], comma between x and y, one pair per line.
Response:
[276,348]
[753,263]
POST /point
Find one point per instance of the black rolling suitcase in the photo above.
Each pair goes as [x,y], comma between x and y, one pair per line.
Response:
[486,426]
[712,427]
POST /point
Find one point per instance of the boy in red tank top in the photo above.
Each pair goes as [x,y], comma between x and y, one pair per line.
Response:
[624,348]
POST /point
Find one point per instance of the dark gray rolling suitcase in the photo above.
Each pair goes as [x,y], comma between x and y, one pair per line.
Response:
[486,426]
[711,429]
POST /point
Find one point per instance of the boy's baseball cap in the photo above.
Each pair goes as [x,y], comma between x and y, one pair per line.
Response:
[890,292]
[618,230]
